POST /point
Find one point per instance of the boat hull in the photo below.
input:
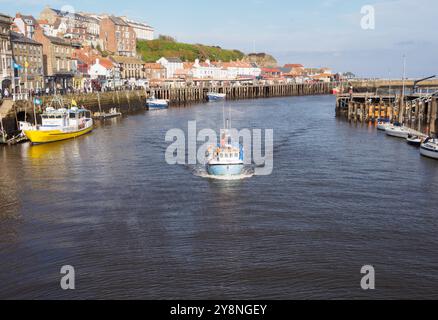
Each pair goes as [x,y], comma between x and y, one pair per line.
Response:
[157,106]
[213,98]
[39,136]
[426,152]
[382,127]
[397,133]
[225,170]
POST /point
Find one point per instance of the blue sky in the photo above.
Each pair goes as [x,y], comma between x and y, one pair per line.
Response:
[313,32]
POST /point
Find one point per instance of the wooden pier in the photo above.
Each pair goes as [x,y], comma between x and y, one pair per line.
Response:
[417,111]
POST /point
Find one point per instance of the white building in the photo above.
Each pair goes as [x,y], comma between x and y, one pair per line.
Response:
[206,70]
[26,25]
[142,30]
[171,65]
[242,69]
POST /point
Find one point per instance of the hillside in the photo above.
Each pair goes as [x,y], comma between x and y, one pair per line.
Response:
[261,59]
[153,50]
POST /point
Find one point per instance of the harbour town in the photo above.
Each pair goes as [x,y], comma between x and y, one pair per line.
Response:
[156,151]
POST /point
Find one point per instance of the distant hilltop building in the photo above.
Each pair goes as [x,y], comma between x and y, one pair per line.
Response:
[142,30]
[72,25]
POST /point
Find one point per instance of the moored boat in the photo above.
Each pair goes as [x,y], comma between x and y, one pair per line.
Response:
[397,132]
[414,140]
[113,112]
[60,124]
[156,104]
[382,124]
[215,96]
[429,148]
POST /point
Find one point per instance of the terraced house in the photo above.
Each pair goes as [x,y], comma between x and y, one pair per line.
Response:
[118,36]
[130,68]
[79,27]
[6,71]
[28,54]
[59,66]
[26,25]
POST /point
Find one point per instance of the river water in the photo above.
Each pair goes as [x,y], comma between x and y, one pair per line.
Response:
[341,196]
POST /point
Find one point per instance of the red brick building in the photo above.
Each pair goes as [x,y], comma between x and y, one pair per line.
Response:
[118,36]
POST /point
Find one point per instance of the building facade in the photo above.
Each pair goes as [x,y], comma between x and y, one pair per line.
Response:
[154,71]
[171,65]
[130,68]
[118,37]
[6,70]
[28,55]
[142,30]
[59,66]
[26,25]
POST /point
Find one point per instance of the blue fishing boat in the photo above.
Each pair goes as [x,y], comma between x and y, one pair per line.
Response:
[225,159]
[156,104]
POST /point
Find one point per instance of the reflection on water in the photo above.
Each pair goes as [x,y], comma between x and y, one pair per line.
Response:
[341,196]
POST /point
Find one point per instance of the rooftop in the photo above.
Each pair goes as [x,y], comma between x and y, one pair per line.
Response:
[18,37]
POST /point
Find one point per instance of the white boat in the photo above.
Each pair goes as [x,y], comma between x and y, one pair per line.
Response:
[429,148]
[215,96]
[382,124]
[414,140]
[113,112]
[398,132]
[156,104]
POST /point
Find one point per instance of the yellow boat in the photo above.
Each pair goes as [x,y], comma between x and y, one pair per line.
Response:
[60,124]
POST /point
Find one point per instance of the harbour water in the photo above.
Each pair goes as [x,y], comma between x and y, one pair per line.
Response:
[341,196]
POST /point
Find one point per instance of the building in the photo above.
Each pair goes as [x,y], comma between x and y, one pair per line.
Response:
[48,29]
[142,30]
[79,27]
[6,71]
[59,66]
[171,65]
[294,68]
[26,25]
[206,70]
[237,69]
[271,73]
[118,37]
[154,71]
[28,55]
[130,68]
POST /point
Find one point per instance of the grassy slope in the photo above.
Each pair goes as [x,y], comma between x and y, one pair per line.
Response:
[153,50]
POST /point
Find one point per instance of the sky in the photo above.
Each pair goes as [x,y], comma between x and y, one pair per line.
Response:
[316,33]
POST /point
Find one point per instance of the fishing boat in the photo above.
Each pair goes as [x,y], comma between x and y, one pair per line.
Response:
[382,124]
[156,104]
[397,131]
[215,96]
[414,140]
[60,124]
[429,148]
[226,159]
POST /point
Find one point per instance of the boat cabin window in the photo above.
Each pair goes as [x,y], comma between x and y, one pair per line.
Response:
[72,115]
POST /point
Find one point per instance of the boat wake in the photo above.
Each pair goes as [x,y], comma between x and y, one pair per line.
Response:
[201,172]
